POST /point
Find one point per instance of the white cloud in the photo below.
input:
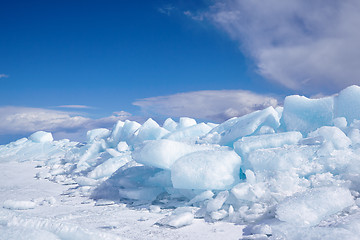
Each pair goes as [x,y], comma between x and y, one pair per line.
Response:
[212,105]
[196,17]
[305,45]
[4,76]
[75,106]
[24,120]
[167,10]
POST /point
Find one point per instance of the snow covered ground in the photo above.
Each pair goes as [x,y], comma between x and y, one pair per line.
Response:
[60,215]
[284,173]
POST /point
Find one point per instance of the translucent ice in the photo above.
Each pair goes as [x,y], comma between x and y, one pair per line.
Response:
[185,122]
[177,220]
[41,137]
[310,207]
[210,169]
[236,128]
[97,134]
[170,125]
[189,133]
[332,135]
[150,130]
[217,202]
[162,153]
[305,114]
[249,144]
[115,136]
[110,166]
[345,103]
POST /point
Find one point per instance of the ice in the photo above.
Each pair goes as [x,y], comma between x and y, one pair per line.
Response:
[252,143]
[122,147]
[202,197]
[162,153]
[19,205]
[128,130]
[209,169]
[110,166]
[233,129]
[170,125]
[305,115]
[177,220]
[185,122]
[141,193]
[150,130]
[332,135]
[345,103]
[90,154]
[113,152]
[217,202]
[218,215]
[288,158]
[284,173]
[84,181]
[41,137]
[310,207]
[189,133]
[115,136]
[340,122]
[154,208]
[97,134]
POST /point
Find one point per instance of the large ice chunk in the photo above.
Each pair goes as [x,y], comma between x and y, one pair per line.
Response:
[305,115]
[110,166]
[128,130]
[163,153]
[115,136]
[332,135]
[235,128]
[347,103]
[170,125]
[251,143]
[177,220]
[189,133]
[97,134]
[288,158]
[185,122]
[41,137]
[150,130]
[310,207]
[210,169]
[217,202]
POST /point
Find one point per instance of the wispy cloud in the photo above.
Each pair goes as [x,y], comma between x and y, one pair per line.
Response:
[196,17]
[24,120]
[305,45]
[75,106]
[167,10]
[4,76]
[212,105]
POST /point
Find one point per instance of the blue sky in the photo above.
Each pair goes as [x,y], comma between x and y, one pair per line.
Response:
[106,54]
[116,58]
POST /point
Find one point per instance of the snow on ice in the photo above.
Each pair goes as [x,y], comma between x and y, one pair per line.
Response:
[284,173]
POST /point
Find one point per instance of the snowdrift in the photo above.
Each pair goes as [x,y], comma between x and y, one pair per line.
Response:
[291,172]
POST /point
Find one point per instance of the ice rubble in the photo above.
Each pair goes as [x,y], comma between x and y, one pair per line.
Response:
[274,169]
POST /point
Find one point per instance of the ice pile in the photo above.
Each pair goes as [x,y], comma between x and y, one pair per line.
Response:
[277,170]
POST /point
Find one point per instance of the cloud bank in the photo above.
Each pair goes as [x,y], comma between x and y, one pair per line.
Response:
[22,121]
[304,45]
[211,105]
